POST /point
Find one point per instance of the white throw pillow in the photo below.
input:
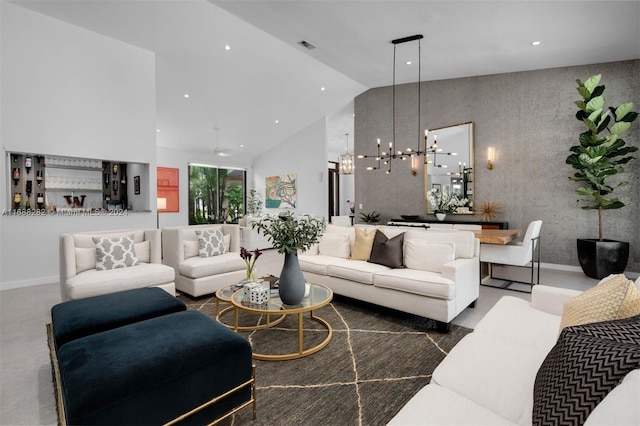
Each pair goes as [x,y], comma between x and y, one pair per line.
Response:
[336,245]
[143,251]
[85,259]
[114,253]
[191,248]
[211,243]
[428,255]
[227,243]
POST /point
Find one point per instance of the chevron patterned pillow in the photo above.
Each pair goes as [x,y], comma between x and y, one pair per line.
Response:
[587,363]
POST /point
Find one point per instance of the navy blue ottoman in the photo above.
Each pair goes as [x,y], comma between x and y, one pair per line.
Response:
[154,371]
[79,318]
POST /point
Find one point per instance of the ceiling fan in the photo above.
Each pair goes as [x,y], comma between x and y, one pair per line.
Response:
[218,151]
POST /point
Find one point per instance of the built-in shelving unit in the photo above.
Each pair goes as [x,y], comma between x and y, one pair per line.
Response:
[47,183]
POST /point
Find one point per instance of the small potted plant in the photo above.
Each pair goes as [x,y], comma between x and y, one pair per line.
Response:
[254,203]
[444,202]
[600,155]
[289,233]
[371,218]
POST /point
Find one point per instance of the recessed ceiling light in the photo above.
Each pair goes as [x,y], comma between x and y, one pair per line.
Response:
[227,47]
[323,89]
[408,62]
[277,121]
[186,95]
[535,43]
[157,130]
[241,146]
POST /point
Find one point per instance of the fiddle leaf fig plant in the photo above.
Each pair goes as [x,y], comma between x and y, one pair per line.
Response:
[602,152]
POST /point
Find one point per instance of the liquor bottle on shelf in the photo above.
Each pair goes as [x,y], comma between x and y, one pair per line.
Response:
[40,200]
[28,162]
[16,175]
[29,188]
[39,177]
[115,187]
[17,199]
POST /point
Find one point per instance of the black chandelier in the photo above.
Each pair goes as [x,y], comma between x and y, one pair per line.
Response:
[384,157]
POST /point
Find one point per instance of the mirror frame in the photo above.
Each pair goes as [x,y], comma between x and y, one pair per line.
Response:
[427,184]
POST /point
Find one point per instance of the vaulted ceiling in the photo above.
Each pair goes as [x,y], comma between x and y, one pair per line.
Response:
[267,76]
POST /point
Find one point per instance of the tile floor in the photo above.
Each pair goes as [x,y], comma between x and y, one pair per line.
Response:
[26,393]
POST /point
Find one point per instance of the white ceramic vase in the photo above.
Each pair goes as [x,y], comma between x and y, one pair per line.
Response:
[441,216]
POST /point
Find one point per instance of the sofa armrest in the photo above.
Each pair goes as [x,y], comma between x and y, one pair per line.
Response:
[155,246]
[465,273]
[172,247]
[551,299]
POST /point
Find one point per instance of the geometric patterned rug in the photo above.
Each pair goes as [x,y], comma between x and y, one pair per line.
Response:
[377,360]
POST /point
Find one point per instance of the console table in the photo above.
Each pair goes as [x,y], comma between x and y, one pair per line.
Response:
[485,225]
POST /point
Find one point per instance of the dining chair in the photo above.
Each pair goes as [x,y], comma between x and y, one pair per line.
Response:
[516,254]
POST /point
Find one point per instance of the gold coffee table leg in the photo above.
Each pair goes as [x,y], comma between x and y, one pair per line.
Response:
[301,352]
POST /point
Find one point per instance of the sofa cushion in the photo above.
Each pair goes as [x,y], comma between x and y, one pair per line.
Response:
[211,243]
[620,407]
[336,245]
[86,240]
[414,281]
[428,255]
[526,326]
[494,373]
[613,298]
[315,263]
[354,270]
[363,244]
[191,248]
[94,282]
[437,405]
[387,252]
[585,365]
[198,267]
[115,252]
[465,241]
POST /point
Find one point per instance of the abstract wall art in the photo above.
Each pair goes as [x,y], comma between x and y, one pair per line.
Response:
[281,192]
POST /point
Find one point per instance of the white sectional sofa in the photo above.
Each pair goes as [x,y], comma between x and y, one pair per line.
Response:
[488,377]
[197,275]
[250,238]
[79,277]
[440,280]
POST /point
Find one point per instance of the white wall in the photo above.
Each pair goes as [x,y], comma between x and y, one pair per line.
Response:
[304,154]
[68,91]
[177,159]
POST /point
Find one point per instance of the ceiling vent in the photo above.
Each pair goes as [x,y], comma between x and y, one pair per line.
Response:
[306,44]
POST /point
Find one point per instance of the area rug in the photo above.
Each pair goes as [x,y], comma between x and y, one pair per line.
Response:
[376,361]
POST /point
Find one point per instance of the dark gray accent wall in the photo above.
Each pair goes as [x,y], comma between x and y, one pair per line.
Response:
[528,117]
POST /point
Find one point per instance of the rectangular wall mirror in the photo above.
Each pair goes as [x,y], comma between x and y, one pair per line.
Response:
[449,163]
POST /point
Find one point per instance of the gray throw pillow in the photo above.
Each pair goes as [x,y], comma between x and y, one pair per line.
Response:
[115,252]
[387,252]
[587,363]
[211,243]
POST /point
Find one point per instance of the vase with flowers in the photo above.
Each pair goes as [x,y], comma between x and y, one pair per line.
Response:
[444,202]
[289,233]
[250,259]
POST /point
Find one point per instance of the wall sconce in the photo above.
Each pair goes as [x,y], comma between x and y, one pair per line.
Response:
[490,157]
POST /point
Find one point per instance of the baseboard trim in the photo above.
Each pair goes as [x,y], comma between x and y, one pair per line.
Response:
[9,285]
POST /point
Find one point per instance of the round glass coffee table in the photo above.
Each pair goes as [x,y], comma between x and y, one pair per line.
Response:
[224,295]
[318,297]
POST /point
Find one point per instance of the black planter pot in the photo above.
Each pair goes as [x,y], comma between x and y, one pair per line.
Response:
[599,259]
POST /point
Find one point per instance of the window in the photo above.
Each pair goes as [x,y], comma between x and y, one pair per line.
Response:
[216,195]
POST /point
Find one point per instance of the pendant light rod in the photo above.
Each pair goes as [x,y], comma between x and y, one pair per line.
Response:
[407,39]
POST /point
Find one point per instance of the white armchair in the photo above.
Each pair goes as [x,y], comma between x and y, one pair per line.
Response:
[516,254]
[81,277]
